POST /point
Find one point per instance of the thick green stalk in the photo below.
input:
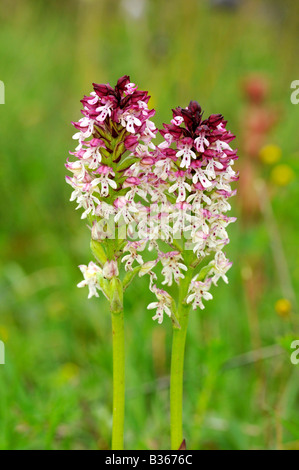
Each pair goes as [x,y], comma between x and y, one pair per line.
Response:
[118,344]
[118,381]
[177,369]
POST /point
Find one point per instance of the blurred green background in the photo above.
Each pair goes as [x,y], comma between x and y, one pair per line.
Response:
[241,389]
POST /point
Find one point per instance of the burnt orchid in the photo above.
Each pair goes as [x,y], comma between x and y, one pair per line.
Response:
[140,197]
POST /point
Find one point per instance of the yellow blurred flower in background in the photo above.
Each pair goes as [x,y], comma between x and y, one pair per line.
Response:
[283,308]
[67,373]
[4,334]
[282,175]
[270,154]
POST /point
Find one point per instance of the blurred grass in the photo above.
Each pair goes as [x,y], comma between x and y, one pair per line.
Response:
[55,388]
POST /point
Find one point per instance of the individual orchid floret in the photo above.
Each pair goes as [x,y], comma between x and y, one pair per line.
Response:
[92,155]
[172,267]
[147,268]
[177,120]
[200,176]
[163,304]
[199,290]
[104,110]
[130,88]
[185,146]
[104,172]
[90,273]
[83,194]
[110,269]
[199,241]
[78,168]
[164,166]
[136,188]
[133,248]
[86,128]
[124,209]
[201,142]
[181,186]
[130,122]
[220,266]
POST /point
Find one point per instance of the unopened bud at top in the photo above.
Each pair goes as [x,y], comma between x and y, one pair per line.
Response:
[110,269]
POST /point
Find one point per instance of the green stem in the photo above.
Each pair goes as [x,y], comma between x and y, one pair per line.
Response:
[177,369]
[118,380]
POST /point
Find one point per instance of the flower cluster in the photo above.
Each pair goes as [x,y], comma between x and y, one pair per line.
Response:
[138,196]
[114,120]
[198,163]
